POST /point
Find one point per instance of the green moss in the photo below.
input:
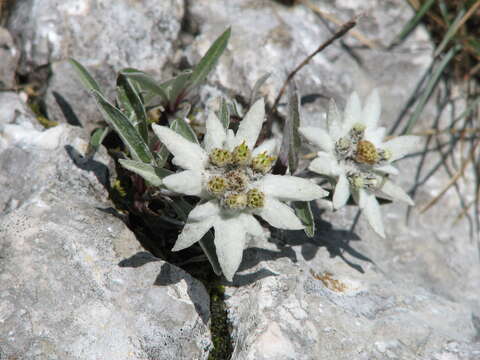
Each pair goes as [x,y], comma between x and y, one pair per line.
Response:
[219,327]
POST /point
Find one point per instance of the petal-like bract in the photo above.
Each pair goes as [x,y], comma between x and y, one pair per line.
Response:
[187,155]
[341,193]
[188,182]
[250,126]
[325,164]
[215,133]
[230,236]
[402,146]
[318,137]
[371,111]
[291,188]
[396,192]
[279,215]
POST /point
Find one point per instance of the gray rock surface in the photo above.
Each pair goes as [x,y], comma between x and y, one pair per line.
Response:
[9,55]
[103,36]
[74,282]
[411,296]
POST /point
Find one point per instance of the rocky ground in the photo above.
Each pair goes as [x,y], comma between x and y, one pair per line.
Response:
[75,282]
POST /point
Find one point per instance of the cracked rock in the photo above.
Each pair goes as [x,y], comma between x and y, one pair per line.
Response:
[74,282]
[103,36]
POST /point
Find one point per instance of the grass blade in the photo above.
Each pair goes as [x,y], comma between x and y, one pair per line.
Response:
[209,60]
[432,82]
[452,30]
[414,21]
[86,79]
[124,128]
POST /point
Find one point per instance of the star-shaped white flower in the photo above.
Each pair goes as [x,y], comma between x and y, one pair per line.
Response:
[232,179]
[356,156]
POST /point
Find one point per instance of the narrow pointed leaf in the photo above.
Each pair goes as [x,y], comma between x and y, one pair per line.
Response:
[292,124]
[136,105]
[256,88]
[209,60]
[304,212]
[96,140]
[162,156]
[151,174]
[224,113]
[146,82]
[127,132]
[178,88]
[183,128]
[86,79]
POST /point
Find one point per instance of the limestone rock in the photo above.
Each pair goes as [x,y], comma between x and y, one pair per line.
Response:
[74,282]
[9,55]
[103,36]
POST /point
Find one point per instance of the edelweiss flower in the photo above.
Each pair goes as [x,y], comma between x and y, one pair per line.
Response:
[231,177]
[355,154]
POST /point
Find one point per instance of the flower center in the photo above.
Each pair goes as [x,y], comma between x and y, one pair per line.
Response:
[233,174]
[366,153]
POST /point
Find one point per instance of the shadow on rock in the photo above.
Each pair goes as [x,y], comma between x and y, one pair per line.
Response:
[137,260]
[170,274]
[337,243]
[100,170]
[66,109]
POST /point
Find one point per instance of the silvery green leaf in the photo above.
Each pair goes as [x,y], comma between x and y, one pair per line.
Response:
[209,60]
[291,138]
[124,104]
[183,110]
[256,88]
[224,113]
[304,212]
[124,128]
[87,80]
[178,88]
[135,102]
[96,140]
[183,128]
[162,156]
[208,247]
[146,82]
[153,175]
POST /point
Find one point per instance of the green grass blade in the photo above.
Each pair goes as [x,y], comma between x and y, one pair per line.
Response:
[452,30]
[136,104]
[124,128]
[151,174]
[209,60]
[414,21]
[304,212]
[432,82]
[86,79]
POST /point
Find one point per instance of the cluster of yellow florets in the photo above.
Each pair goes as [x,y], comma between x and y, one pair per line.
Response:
[235,169]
